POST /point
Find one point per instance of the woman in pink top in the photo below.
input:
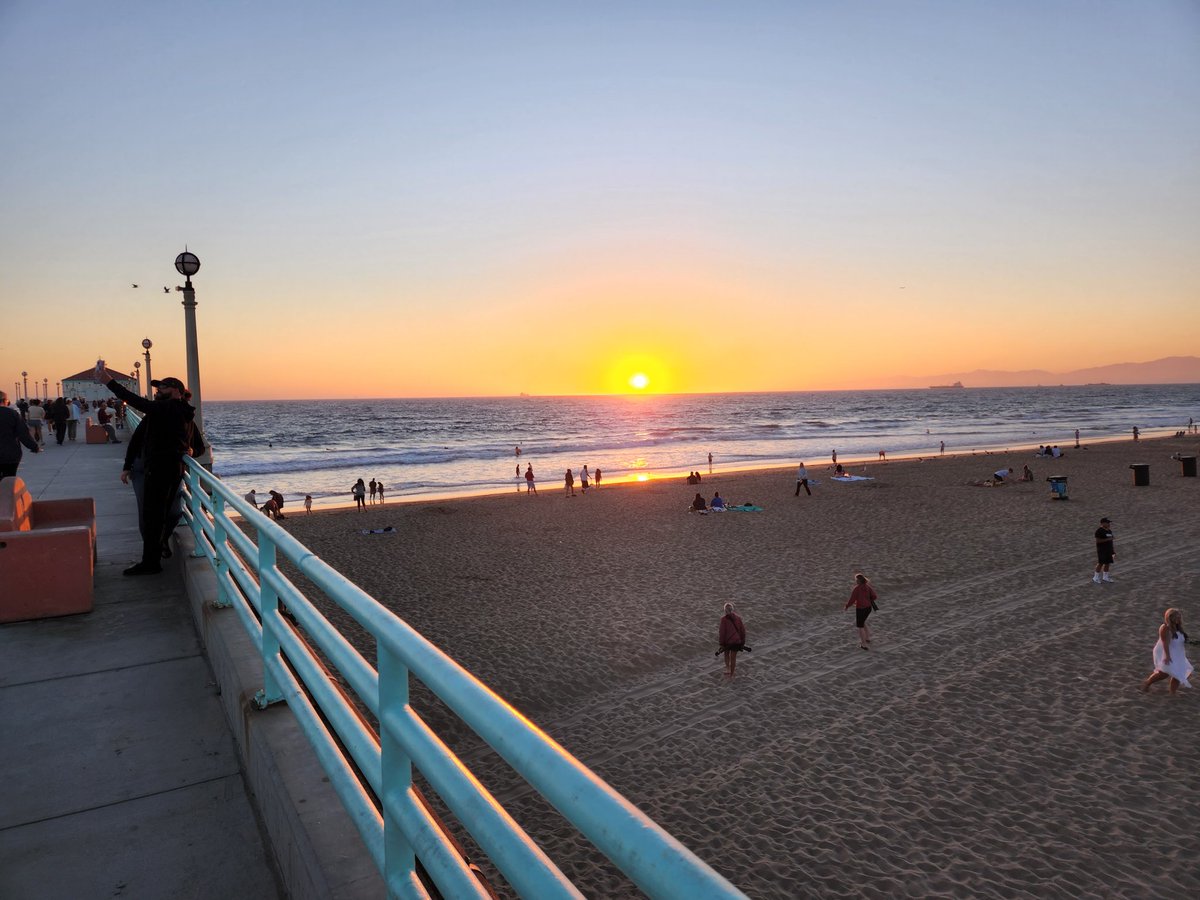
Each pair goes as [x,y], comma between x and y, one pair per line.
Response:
[731,637]
[862,598]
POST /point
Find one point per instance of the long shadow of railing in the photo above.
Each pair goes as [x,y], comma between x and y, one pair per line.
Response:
[373,773]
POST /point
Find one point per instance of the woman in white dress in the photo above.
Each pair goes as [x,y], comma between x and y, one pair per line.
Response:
[1170,657]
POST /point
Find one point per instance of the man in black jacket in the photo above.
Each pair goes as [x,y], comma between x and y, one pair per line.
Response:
[170,430]
[13,433]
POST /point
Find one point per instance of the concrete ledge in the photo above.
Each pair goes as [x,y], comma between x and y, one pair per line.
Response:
[316,845]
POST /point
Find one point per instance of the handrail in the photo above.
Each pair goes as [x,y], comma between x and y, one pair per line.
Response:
[372,774]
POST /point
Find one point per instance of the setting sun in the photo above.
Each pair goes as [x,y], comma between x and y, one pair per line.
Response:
[639,381]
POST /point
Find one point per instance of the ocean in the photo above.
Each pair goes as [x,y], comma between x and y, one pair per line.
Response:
[428,448]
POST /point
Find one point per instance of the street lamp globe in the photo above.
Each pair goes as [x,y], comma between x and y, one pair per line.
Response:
[147,343]
[187,264]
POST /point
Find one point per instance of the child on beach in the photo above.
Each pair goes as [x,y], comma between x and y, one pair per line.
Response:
[308,504]
[862,598]
[1170,657]
[731,635]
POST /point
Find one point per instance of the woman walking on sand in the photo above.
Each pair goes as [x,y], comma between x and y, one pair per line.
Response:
[1170,657]
[359,491]
[862,598]
[732,637]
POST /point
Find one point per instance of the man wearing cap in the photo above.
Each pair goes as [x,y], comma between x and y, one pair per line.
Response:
[1104,551]
[170,432]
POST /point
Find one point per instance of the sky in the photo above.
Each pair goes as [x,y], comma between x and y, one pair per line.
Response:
[476,199]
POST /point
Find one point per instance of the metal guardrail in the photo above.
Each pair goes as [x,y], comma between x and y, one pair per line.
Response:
[373,776]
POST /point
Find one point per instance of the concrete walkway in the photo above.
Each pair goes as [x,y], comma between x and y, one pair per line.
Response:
[120,774]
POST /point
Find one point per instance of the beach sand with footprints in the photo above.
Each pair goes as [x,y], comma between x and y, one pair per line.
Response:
[994,742]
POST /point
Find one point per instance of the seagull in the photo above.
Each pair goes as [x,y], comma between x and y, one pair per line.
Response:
[166,290]
[135,285]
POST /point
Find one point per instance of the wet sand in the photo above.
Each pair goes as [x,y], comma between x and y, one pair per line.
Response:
[993,742]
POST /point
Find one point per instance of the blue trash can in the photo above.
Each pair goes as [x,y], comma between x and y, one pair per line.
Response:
[1058,487]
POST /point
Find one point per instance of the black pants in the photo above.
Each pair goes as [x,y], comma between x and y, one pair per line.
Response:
[60,431]
[7,469]
[803,483]
[158,494]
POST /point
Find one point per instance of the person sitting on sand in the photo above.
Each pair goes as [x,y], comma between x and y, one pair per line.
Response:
[1170,656]
[1055,452]
[691,478]
[1026,474]
[731,635]
[698,504]
[717,502]
[251,499]
[862,598]
[838,471]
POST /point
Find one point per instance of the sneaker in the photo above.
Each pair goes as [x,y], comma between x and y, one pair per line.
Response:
[1106,578]
[1096,578]
[142,569]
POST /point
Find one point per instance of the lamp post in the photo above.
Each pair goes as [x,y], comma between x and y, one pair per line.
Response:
[188,264]
[25,379]
[137,374]
[147,344]
[58,388]
[45,388]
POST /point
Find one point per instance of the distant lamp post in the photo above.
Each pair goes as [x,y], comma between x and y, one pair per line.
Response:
[25,381]
[147,344]
[45,387]
[188,264]
[137,375]
[58,388]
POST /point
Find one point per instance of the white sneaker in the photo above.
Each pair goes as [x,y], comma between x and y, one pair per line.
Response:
[1106,578]
[1096,578]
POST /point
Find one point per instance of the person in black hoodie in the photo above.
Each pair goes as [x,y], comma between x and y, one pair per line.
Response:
[13,433]
[170,432]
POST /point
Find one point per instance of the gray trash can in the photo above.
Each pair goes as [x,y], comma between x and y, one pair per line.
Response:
[1188,464]
[1141,474]
[1058,487]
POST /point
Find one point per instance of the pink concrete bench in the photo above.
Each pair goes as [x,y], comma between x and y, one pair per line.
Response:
[47,554]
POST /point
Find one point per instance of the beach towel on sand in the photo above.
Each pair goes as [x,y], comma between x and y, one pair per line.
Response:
[848,478]
[386,530]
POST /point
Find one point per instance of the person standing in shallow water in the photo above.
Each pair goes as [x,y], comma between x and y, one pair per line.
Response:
[862,598]
[359,492]
[530,487]
[1170,657]
[731,635]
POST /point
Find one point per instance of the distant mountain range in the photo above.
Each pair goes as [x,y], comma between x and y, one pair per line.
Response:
[1171,370]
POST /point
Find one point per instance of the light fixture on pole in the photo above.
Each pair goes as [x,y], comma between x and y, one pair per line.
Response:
[58,388]
[25,379]
[188,264]
[147,344]
[45,387]
[137,374]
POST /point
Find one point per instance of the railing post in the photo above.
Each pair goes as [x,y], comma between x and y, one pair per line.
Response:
[398,856]
[268,603]
[220,550]
[193,480]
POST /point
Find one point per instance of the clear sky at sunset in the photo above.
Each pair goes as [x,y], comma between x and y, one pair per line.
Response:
[420,199]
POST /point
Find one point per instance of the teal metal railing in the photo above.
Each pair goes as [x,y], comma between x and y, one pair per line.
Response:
[373,776]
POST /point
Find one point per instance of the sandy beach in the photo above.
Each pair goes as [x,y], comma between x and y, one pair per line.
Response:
[994,742]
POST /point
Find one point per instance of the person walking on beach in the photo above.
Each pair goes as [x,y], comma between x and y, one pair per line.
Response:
[359,492]
[710,464]
[1170,655]
[862,598]
[371,485]
[1076,438]
[308,504]
[834,454]
[379,487]
[941,448]
[802,480]
[74,413]
[731,635]
[530,487]
[583,479]
[569,484]
[13,433]
[35,418]
[1136,433]
[1104,552]
[58,415]
[597,478]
